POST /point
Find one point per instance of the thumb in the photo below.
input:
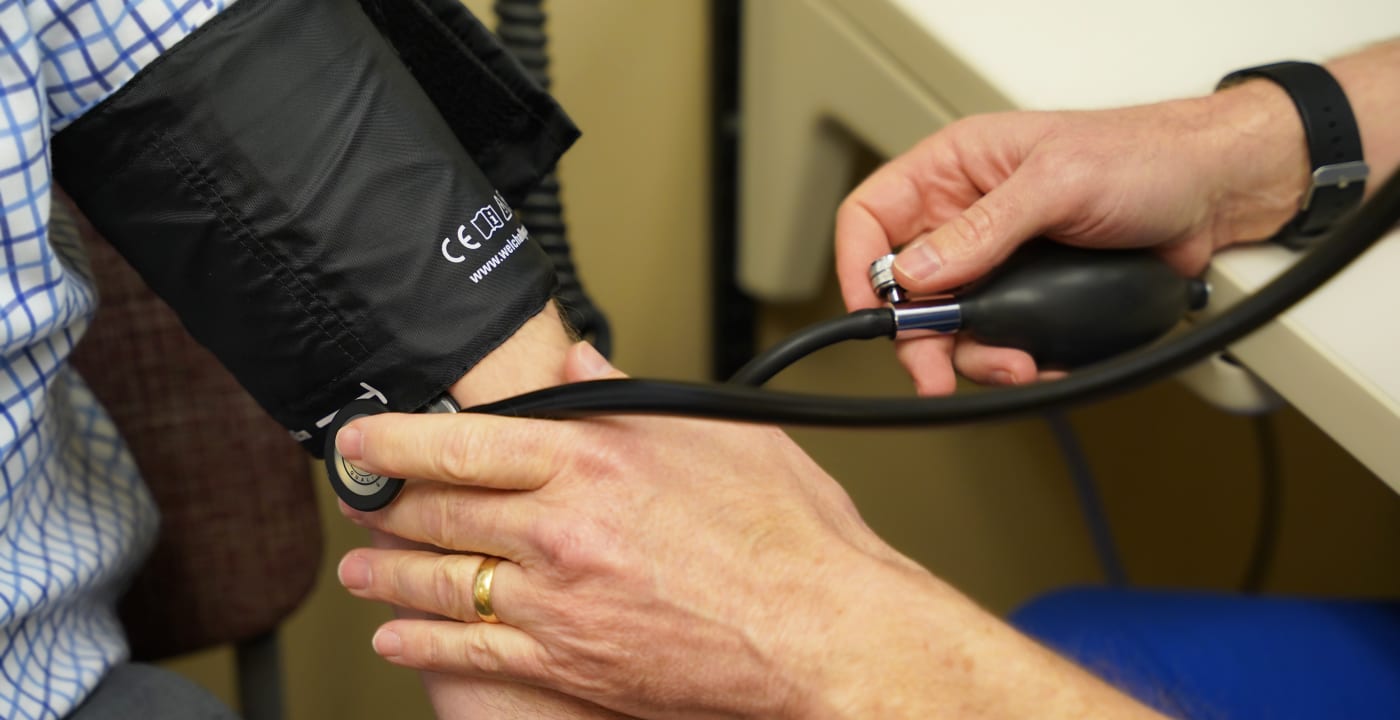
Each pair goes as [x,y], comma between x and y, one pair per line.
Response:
[968,246]
[584,362]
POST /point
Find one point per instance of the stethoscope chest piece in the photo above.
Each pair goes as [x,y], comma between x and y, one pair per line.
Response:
[362,490]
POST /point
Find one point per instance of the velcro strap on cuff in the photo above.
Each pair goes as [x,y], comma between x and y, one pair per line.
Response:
[512,129]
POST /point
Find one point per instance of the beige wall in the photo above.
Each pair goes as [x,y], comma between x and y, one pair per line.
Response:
[988,507]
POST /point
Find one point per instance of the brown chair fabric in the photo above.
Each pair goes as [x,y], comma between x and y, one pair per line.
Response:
[240,538]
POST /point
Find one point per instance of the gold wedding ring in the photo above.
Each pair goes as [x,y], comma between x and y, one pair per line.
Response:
[481,590]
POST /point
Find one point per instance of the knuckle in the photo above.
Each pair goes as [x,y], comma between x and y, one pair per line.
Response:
[572,549]
[477,651]
[592,460]
[957,140]
[455,458]
[967,123]
[596,462]
[449,587]
[955,130]
[573,538]
[440,650]
[554,463]
[425,648]
[973,229]
[433,515]
[559,543]
[440,520]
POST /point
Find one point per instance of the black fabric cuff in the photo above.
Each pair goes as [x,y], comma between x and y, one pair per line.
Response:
[286,182]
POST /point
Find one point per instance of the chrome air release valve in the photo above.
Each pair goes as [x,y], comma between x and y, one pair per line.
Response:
[882,280]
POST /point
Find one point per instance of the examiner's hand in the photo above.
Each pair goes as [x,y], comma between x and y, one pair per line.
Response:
[1187,176]
[457,697]
[652,565]
[533,358]
[675,568]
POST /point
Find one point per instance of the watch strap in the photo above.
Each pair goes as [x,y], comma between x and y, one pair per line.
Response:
[1334,145]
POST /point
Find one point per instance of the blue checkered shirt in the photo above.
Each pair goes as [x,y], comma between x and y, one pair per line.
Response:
[75,517]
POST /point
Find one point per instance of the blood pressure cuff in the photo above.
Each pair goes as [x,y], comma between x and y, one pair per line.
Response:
[322,191]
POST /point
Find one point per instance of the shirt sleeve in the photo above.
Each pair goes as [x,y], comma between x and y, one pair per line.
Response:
[89,49]
[75,517]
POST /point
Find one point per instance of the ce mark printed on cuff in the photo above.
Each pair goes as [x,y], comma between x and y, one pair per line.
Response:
[466,242]
[488,219]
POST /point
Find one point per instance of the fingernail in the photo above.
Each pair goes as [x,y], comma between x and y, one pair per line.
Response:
[349,442]
[387,643]
[593,361]
[918,261]
[1003,377]
[353,572]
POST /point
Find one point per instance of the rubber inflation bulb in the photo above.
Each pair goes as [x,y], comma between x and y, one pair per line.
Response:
[1069,307]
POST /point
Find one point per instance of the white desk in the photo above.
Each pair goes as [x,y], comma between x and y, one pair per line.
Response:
[822,74]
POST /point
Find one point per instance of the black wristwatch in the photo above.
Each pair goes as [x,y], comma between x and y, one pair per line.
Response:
[1334,146]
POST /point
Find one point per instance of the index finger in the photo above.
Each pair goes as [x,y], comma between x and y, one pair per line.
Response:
[882,213]
[463,449]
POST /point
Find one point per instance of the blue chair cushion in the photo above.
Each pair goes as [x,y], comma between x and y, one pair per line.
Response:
[1203,655]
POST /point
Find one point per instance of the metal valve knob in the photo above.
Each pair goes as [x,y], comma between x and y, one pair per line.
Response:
[882,279]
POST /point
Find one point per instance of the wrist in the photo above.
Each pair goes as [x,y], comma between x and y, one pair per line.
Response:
[1256,152]
[531,359]
[895,644]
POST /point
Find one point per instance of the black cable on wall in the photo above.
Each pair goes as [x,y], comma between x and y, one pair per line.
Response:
[521,29]
[733,327]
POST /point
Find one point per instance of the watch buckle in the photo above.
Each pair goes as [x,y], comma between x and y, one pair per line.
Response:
[1338,175]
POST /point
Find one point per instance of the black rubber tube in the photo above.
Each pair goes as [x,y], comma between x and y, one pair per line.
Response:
[1266,533]
[1355,234]
[859,325]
